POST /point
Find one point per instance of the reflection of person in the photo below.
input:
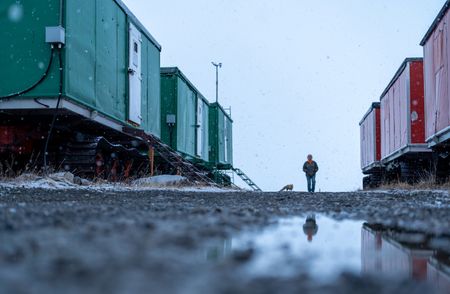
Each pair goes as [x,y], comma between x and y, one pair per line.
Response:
[311,168]
[310,228]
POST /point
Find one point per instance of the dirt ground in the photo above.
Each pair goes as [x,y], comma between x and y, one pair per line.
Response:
[81,241]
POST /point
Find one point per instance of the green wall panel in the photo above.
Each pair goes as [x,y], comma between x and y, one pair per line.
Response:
[151,95]
[24,55]
[97,55]
[110,59]
[80,51]
[213,135]
[221,137]
[168,106]
[186,119]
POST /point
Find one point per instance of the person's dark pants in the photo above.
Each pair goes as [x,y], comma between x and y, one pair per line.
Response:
[311,180]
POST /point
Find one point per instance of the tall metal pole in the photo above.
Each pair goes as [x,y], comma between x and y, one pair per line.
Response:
[217,65]
[217,84]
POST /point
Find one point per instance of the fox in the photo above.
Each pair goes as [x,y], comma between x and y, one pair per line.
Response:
[289,187]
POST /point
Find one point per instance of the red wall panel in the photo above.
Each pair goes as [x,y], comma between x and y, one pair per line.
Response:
[402,109]
[378,134]
[417,113]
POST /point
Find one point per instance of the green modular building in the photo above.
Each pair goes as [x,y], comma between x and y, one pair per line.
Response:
[220,137]
[184,116]
[110,62]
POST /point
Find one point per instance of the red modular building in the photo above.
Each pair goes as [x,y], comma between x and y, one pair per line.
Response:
[402,112]
[437,84]
[370,138]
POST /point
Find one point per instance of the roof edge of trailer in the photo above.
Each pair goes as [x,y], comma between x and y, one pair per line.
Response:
[398,74]
[218,105]
[137,22]
[436,22]
[176,71]
[374,105]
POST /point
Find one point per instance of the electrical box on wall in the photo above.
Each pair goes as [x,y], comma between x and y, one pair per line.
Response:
[55,35]
[171,119]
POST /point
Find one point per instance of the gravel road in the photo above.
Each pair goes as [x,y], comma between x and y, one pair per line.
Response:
[83,241]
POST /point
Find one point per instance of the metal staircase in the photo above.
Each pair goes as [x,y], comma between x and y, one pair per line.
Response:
[184,167]
[247,180]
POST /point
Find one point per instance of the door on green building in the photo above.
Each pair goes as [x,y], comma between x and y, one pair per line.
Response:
[200,127]
[135,75]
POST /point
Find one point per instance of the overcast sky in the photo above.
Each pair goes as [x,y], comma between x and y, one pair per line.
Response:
[299,75]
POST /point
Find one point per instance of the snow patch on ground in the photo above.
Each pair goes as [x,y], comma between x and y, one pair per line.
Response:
[53,181]
[403,192]
[67,181]
[164,180]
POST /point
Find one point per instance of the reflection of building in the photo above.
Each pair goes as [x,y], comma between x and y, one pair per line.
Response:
[439,274]
[219,250]
[388,252]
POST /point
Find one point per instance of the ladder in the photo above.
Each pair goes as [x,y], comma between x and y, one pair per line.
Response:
[247,180]
[184,167]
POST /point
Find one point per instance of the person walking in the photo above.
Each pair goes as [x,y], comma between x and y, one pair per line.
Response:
[311,168]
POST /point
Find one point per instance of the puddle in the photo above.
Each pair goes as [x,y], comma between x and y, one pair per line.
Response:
[320,246]
[323,248]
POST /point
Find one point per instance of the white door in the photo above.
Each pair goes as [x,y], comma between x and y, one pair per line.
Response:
[200,127]
[135,76]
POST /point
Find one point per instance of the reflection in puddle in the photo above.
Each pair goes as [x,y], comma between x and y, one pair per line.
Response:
[401,254]
[323,248]
[295,245]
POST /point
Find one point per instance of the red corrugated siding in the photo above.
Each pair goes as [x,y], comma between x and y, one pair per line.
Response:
[402,123]
[436,52]
[417,103]
[378,134]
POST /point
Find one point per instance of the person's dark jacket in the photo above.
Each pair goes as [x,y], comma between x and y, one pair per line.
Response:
[310,169]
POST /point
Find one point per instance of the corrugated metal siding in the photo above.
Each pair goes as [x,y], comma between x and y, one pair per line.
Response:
[186,119]
[378,134]
[80,51]
[97,62]
[168,106]
[402,110]
[370,138]
[430,93]
[229,141]
[436,52]
[151,89]
[384,127]
[96,56]
[213,134]
[24,55]
[221,137]
[180,97]
[110,58]
[417,106]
